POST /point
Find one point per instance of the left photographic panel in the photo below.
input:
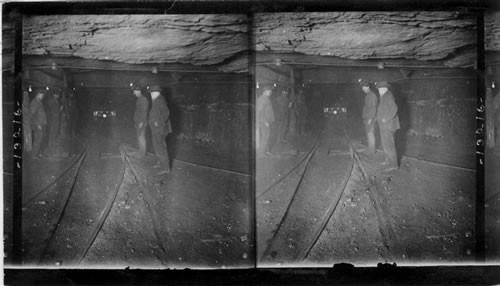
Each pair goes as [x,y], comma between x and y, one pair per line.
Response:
[136,141]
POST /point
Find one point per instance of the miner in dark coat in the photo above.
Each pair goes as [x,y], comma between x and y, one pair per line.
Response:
[369,114]
[281,111]
[159,122]
[141,120]
[265,117]
[38,121]
[388,122]
[27,133]
[496,105]
[293,114]
[54,109]
[73,113]
[490,118]
[301,110]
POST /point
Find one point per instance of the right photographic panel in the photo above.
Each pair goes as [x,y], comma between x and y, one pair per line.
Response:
[365,137]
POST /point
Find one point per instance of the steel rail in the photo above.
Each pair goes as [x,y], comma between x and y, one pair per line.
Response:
[78,160]
[287,211]
[57,220]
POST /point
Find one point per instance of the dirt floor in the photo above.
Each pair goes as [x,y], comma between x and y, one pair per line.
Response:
[421,213]
[195,217]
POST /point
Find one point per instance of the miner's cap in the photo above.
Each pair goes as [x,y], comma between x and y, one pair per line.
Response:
[154,88]
[136,87]
[383,84]
[363,82]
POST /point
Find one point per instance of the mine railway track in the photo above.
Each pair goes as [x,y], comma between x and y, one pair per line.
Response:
[76,163]
[201,165]
[305,249]
[149,201]
[430,162]
[68,194]
[104,213]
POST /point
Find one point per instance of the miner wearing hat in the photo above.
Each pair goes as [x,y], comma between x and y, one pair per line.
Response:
[282,103]
[159,122]
[72,112]
[301,110]
[54,110]
[265,117]
[141,119]
[27,133]
[388,122]
[369,113]
[38,121]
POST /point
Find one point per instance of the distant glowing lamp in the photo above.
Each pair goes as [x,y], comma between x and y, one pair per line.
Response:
[275,85]
[30,89]
[493,85]
[47,88]
[54,66]
[258,85]
[380,65]
[154,70]
[278,62]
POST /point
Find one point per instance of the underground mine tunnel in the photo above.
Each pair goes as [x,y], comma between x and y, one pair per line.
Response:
[322,197]
[89,196]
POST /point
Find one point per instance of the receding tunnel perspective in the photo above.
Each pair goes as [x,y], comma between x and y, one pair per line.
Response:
[365,131]
[137,146]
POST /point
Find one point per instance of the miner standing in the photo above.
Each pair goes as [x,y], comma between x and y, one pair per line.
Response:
[369,113]
[72,113]
[159,122]
[265,117]
[38,121]
[282,103]
[54,109]
[141,120]
[302,113]
[388,122]
[26,122]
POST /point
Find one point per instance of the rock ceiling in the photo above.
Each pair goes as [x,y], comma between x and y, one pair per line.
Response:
[221,40]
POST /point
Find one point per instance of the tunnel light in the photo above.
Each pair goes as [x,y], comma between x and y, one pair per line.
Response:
[47,88]
[54,66]
[278,62]
[81,83]
[258,85]
[493,85]
[30,89]
[154,70]
[131,84]
[380,65]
